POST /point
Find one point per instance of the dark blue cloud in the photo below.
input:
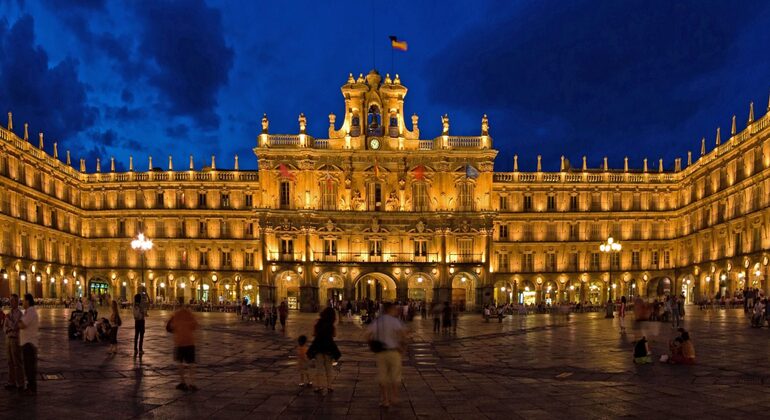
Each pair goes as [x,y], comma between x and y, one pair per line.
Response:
[186,41]
[586,77]
[177,130]
[51,98]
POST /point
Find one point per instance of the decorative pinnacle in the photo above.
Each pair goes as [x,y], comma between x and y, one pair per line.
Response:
[719,138]
[40,141]
[751,112]
[10,121]
[733,128]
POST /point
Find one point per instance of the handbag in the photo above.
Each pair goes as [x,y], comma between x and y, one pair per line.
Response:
[377,346]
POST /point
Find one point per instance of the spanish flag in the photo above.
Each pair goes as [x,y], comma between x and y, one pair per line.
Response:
[396,44]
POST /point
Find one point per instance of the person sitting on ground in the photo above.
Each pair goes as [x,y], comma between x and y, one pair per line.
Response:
[683,351]
[642,353]
[90,334]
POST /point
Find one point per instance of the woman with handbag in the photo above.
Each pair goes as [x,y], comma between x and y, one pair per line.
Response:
[324,350]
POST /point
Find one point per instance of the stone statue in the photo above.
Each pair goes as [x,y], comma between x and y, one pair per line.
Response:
[445,125]
[357,202]
[265,123]
[302,123]
[415,120]
[391,204]
[484,125]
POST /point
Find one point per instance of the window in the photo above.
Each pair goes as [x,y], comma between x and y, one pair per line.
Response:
[526,233]
[615,260]
[654,259]
[594,261]
[503,262]
[287,248]
[330,247]
[285,195]
[329,195]
[595,231]
[420,197]
[121,228]
[465,250]
[550,261]
[374,197]
[182,258]
[574,261]
[249,230]
[249,201]
[503,231]
[38,214]
[634,259]
[227,259]
[224,201]
[248,259]
[159,200]
[203,258]
[503,203]
[375,247]
[180,233]
[527,203]
[526,262]
[465,196]
[179,200]
[551,203]
[667,258]
[420,248]
[54,219]
[223,229]
[202,200]
[738,247]
[573,203]
[202,229]
[573,232]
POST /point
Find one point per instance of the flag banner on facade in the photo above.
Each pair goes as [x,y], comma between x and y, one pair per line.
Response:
[471,172]
[419,172]
[285,171]
[397,44]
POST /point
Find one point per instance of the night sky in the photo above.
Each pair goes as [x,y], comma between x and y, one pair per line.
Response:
[614,78]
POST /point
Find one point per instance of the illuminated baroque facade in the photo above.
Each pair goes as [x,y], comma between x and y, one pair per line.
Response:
[375,211]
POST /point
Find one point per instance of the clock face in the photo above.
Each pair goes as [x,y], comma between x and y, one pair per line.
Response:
[374,144]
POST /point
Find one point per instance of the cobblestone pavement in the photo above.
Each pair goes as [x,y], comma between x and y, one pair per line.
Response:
[536,366]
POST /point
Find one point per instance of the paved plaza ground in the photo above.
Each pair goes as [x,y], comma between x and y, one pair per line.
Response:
[556,368]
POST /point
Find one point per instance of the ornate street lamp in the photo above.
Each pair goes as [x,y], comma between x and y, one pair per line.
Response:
[142,245]
[610,247]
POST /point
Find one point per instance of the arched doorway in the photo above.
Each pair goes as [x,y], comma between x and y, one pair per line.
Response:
[503,292]
[420,287]
[375,286]
[659,286]
[230,290]
[527,293]
[250,291]
[331,288]
[688,288]
[723,279]
[287,284]
[548,293]
[98,287]
[596,292]
[464,290]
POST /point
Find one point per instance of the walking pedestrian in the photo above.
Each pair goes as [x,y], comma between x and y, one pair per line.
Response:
[303,364]
[283,314]
[28,338]
[12,346]
[675,312]
[140,312]
[183,325]
[389,334]
[324,350]
[438,309]
[115,323]
[622,314]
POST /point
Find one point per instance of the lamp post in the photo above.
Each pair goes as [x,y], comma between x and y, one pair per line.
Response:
[142,245]
[610,247]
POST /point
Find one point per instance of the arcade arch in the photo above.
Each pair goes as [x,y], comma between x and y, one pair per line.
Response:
[420,287]
[464,290]
[375,286]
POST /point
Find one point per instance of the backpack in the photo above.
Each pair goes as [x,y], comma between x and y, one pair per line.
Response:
[138,313]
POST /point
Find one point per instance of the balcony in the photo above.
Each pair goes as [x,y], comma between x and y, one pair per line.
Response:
[280,256]
[384,257]
[465,258]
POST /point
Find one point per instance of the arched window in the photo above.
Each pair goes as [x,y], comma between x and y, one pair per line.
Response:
[465,196]
[328,194]
[393,125]
[374,121]
[420,201]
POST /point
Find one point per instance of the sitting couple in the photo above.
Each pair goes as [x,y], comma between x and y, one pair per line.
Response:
[681,348]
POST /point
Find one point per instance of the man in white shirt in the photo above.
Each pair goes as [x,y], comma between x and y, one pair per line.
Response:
[28,338]
[389,331]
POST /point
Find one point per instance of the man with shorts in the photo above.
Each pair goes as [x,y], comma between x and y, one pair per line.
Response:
[388,330]
[183,325]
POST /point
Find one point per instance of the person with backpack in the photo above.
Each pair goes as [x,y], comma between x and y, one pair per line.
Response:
[140,312]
